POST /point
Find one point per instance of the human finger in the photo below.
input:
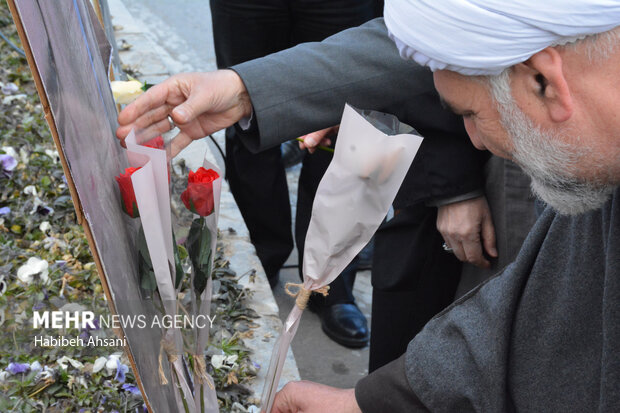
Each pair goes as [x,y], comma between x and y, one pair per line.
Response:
[488,236]
[145,121]
[283,402]
[472,248]
[153,98]
[178,143]
[457,248]
[158,128]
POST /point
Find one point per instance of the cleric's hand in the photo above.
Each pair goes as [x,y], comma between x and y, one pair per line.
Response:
[199,104]
[320,137]
[308,397]
[467,228]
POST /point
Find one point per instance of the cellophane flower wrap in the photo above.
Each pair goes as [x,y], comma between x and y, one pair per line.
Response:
[129,204]
[372,156]
[202,198]
[145,194]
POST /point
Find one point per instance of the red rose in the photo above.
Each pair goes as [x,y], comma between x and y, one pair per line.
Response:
[129,204]
[198,197]
[157,143]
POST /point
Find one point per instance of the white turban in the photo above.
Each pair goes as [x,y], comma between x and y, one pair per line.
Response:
[484,37]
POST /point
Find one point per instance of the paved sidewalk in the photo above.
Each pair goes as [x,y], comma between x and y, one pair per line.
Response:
[171,37]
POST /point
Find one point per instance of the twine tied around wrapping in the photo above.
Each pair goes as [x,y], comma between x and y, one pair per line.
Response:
[201,368]
[170,350]
[302,295]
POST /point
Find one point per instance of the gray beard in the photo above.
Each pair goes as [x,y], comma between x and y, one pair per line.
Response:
[549,162]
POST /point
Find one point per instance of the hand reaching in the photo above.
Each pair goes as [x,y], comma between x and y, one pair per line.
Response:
[199,103]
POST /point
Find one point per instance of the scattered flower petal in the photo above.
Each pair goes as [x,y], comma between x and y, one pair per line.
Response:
[64,361]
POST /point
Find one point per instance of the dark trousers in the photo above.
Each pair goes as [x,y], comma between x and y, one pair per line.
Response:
[413,279]
[244,30]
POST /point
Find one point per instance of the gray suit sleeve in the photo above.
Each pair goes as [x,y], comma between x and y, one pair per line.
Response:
[387,390]
[304,88]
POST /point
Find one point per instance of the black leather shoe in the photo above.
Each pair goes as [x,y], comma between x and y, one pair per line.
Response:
[345,324]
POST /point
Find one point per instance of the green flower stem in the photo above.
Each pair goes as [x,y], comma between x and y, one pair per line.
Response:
[148,283]
[198,246]
[321,147]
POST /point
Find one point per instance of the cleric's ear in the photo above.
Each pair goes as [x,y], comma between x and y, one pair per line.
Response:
[544,79]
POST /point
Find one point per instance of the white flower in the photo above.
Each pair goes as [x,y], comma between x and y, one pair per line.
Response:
[99,364]
[79,380]
[33,266]
[45,226]
[222,361]
[109,363]
[232,359]
[126,92]
[30,190]
[10,151]
[217,361]
[64,361]
[44,374]
[4,375]
[52,154]
[35,366]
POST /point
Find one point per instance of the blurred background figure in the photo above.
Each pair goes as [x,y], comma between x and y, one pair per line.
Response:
[248,29]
